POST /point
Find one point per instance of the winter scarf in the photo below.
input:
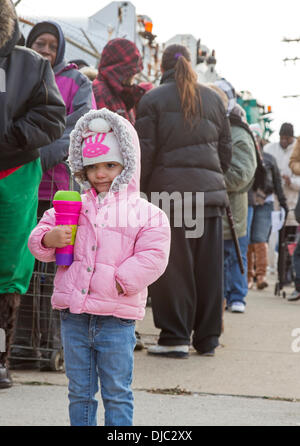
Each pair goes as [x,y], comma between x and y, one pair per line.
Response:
[120,60]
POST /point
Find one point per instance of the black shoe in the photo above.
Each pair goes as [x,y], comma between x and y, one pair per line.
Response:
[5,379]
[209,353]
[294,296]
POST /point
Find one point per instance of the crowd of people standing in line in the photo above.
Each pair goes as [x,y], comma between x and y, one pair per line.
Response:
[180,136]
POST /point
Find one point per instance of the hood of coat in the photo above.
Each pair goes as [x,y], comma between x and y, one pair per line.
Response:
[127,138]
[60,63]
[120,60]
[9,27]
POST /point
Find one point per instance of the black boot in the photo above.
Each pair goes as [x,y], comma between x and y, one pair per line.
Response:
[5,378]
[8,308]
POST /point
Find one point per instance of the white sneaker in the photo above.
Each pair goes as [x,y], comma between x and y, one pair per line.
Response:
[172,351]
[294,296]
[237,307]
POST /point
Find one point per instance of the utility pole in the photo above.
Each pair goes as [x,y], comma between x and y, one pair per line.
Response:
[290,40]
[291,59]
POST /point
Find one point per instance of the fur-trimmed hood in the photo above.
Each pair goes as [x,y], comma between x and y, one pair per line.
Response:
[129,147]
[9,27]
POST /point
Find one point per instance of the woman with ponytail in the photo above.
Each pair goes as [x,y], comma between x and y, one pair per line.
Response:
[186,148]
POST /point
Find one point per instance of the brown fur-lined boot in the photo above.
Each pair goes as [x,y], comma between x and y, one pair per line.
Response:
[8,308]
[261,260]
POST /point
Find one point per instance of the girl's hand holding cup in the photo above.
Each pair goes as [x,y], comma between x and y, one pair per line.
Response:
[58,237]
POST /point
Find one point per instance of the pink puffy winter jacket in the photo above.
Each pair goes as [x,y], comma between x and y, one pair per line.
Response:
[123,238]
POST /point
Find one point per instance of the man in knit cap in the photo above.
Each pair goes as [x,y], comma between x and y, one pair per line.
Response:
[282,152]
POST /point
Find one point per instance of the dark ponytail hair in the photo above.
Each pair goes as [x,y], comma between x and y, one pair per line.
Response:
[178,57]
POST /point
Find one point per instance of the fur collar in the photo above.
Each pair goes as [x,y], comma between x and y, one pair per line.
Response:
[123,136]
[7,21]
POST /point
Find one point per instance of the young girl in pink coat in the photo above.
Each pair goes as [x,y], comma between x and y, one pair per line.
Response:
[122,246]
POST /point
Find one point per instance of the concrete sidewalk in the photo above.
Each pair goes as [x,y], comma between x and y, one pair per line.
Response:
[45,405]
[252,380]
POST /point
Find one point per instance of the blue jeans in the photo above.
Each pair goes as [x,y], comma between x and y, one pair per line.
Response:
[98,347]
[261,223]
[235,283]
[249,222]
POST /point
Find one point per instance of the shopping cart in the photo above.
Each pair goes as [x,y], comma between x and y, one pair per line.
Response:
[37,337]
[286,246]
[37,341]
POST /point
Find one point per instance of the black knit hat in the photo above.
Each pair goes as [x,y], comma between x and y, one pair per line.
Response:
[286,129]
[41,28]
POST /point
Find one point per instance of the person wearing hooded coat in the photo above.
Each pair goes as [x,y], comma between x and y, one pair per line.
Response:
[114,88]
[77,94]
[238,179]
[122,245]
[32,115]
[47,39]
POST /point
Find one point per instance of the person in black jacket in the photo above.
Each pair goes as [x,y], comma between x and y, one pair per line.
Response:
[262,201]
[185,149]
[47,39]
[32,115]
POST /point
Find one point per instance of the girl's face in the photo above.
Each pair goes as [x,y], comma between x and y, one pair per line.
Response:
[46,45]
[101,175]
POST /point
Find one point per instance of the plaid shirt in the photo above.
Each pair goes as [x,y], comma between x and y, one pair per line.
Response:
[120,60]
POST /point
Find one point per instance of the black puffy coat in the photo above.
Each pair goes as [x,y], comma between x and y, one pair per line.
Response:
[175,157]
[32,109]
[272,182]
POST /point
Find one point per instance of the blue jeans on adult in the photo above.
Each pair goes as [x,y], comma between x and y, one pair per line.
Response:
[249,221]
[296,264]
[235,283]
[262,223]
[98,347]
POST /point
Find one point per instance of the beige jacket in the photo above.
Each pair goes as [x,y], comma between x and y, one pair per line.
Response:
[294,163]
